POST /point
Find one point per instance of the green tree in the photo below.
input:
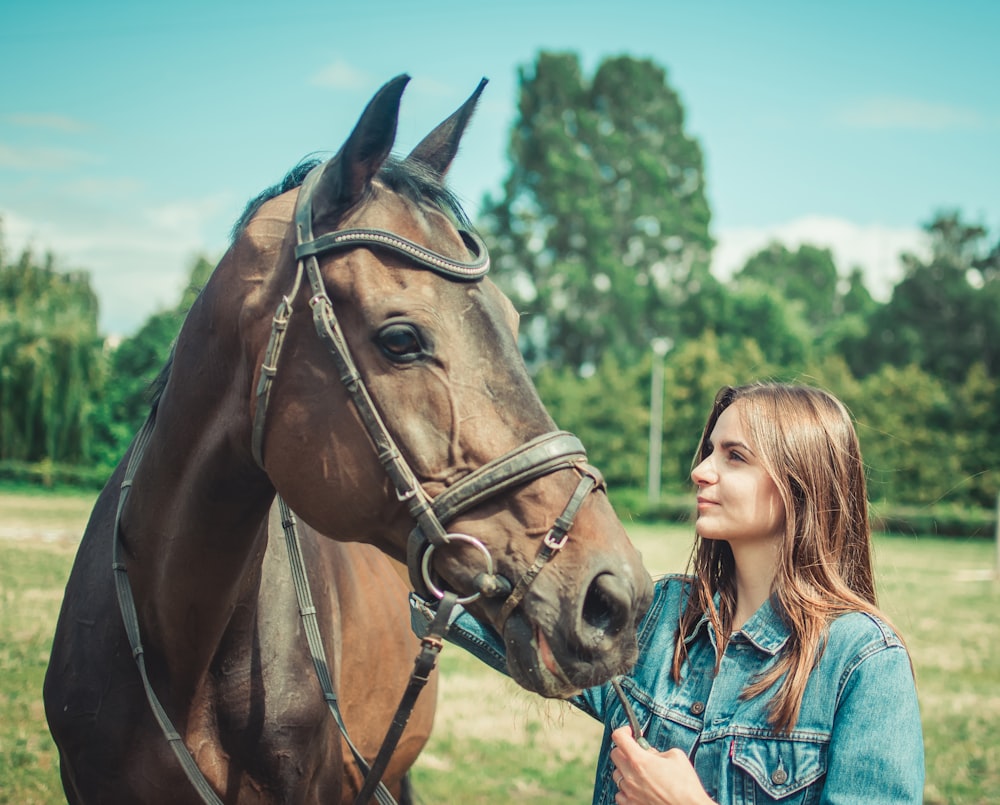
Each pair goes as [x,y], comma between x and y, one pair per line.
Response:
[906,425]
[601,233]
[977,437]
[135,365]
[944,315]
[758,312]
[807,277]
[51,360]
[694,373]
[607,410]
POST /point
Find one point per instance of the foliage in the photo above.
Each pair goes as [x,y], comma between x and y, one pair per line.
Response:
[944,315]
[135,365]
[52,363]
[806,277]
[607,410]
[602,229]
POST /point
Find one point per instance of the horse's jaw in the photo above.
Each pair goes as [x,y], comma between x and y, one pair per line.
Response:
[534,665]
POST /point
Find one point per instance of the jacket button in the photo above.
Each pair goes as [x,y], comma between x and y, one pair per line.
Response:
[698,708]
[779,777]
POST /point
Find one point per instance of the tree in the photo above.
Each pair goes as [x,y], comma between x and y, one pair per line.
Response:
[607,410]
[601,234]
[135,365]
[806,277]
[977,437]
[906,425]
[695,371]
[51,361]
[944,315]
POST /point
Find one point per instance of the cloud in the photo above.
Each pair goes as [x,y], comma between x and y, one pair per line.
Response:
[341,75]
[29,158]
[873,248]
[188,215]
[61,123]
[138,263]
[888,112]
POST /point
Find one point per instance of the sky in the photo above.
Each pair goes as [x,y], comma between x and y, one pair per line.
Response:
[133,134]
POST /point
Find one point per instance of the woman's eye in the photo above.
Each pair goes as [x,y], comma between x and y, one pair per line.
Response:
[401,342]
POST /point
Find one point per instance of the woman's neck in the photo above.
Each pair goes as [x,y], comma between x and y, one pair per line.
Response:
[756,564]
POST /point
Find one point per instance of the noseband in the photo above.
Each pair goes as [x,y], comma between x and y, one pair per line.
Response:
[542,455]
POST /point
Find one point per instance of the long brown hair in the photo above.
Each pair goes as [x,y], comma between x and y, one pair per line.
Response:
[806,442]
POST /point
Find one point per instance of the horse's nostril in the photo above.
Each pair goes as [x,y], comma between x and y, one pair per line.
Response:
[605,608]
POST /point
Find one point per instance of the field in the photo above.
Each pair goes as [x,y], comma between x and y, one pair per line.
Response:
[493,742]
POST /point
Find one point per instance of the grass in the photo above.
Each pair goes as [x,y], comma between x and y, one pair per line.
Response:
[495,743]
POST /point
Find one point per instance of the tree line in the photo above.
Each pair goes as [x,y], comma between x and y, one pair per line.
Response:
[601,236]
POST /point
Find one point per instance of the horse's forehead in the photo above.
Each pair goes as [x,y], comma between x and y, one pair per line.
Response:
[424,224]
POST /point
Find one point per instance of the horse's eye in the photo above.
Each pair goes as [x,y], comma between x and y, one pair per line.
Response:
[401,342]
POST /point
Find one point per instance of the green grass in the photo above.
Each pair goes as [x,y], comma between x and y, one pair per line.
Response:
[493,742]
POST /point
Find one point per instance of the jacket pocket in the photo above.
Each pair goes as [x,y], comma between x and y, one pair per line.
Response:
[785,770]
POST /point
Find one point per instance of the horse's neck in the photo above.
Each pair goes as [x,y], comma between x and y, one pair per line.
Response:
[195,528]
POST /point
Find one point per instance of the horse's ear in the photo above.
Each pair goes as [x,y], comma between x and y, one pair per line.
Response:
[438,149]
[349,173]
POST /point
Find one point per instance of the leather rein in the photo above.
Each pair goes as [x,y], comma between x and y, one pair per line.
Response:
[545,454]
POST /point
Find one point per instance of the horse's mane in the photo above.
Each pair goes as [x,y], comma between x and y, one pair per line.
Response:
[409,178]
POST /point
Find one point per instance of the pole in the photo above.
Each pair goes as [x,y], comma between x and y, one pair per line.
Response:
[655,431]
[660,347]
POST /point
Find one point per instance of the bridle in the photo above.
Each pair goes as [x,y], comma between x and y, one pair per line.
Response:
[540,456]
[545,454]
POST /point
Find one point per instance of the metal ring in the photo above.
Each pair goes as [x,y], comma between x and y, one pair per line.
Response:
[425,565]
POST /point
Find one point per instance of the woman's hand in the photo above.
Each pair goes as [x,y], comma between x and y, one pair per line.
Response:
[647,777]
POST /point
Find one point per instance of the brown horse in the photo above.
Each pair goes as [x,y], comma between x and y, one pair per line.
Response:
[402,399]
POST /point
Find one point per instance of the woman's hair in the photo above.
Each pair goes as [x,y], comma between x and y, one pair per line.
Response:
[806,442]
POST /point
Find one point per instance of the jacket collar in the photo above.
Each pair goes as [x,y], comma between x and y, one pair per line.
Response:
[765,629]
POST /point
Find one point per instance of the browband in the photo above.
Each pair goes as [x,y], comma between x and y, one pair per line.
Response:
[439,264]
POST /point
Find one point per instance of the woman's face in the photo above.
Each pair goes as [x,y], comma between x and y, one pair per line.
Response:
[737,500]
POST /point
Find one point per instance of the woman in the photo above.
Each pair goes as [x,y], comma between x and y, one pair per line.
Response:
[769,674]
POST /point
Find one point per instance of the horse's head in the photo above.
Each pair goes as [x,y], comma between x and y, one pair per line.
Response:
[400,411]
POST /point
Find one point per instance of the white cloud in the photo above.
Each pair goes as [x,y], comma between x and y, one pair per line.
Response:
[341,75]
[187,216]
[138,264]
[874,248]
[61,123]
[888,112]
[42,158]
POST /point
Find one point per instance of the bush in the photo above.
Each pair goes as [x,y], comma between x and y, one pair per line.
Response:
[944,520]
[51,475]
[941,520]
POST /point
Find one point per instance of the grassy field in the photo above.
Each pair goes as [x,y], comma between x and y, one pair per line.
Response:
[493,742]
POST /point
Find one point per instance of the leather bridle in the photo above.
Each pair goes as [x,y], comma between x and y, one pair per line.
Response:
[545,454]
[542,455]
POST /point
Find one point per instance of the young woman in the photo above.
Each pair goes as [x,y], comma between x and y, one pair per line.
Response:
[768,674]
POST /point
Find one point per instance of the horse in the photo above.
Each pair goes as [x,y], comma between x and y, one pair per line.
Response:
[179,671]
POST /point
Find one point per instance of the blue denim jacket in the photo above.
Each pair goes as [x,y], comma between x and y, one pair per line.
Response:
[858,738]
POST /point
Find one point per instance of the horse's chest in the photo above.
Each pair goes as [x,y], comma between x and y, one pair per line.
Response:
[267,703]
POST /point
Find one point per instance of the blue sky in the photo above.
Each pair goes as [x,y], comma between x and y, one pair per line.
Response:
[132,134]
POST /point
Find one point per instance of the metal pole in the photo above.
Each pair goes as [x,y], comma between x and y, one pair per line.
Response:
[655,430]
[660,347]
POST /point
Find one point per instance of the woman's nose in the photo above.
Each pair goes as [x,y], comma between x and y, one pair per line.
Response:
[703,474]
[700,473]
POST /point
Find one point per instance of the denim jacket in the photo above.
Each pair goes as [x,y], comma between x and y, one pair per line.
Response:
[858,738]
